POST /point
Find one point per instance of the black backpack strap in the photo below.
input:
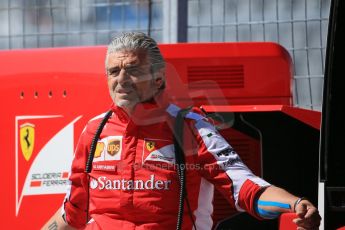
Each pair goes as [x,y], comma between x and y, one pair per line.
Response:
[88,166]
[181,165]
[94,141]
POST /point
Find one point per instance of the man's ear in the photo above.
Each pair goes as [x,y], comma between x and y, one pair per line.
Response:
[159,77]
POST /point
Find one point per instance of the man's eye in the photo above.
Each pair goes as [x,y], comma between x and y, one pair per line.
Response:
[134,71]
[114,72]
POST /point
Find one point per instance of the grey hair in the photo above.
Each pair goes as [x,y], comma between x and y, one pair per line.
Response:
[137,41]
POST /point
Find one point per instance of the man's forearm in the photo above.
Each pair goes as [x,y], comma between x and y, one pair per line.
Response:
[281,200]
[56,222]
[273,201]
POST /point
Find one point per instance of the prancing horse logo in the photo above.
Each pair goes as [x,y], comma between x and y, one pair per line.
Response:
[27,139]
[150,145]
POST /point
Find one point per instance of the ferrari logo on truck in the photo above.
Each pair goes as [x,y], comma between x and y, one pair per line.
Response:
[27,139]
[47,158]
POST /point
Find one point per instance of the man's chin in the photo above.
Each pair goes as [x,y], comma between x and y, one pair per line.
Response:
[125,104]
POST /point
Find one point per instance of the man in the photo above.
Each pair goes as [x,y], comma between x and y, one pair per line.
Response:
[133,184]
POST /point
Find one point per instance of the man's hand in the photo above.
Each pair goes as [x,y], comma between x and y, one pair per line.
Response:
[307,216]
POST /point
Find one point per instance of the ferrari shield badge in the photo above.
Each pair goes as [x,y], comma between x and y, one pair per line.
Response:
[150,145]
[27,139]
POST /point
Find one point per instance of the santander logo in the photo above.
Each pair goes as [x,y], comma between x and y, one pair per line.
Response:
[103,183]
[93,184]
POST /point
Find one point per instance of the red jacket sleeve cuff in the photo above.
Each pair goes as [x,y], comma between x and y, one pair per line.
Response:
[74,216]
[248,194]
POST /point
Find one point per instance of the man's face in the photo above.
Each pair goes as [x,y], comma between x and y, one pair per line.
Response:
[129,78]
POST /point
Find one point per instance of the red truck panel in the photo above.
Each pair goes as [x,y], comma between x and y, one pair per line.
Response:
[47,95]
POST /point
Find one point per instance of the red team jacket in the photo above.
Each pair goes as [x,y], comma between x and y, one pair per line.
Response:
[133,183]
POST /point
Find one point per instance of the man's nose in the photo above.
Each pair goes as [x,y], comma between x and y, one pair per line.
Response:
[123,76]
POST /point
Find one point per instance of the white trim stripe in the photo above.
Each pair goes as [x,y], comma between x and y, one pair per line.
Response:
[203,219]
[227,160]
